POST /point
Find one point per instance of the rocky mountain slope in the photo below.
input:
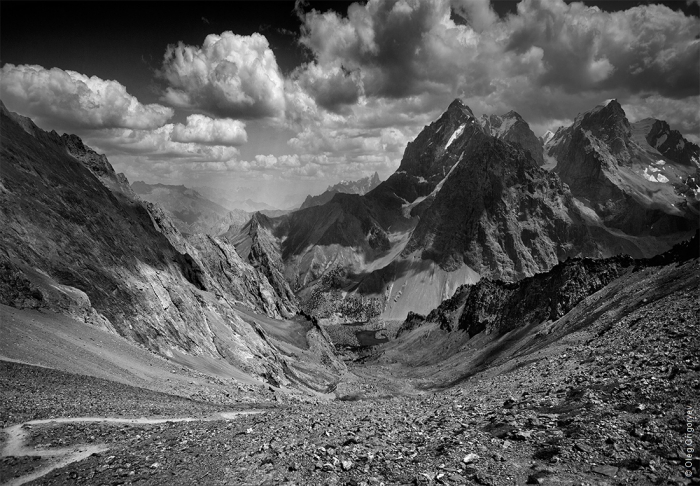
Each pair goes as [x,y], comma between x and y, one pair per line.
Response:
[587,398]
[477,316]
[75,241]
[619,172]
[361,187]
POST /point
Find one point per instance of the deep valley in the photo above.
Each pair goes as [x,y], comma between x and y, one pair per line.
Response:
[501,310]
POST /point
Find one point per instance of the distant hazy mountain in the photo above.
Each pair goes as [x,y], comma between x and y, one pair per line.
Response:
[192,213]
[361,187]
[232,200]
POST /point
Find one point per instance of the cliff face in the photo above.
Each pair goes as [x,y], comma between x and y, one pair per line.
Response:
[76,241]
[501,215]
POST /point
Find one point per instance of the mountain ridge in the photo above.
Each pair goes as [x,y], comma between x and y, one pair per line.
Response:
[423,221]
[360,186]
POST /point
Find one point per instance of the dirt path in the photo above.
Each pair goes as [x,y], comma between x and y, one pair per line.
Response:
[17,436]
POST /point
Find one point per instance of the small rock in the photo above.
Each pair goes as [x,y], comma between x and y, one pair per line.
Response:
[605,470]
[469,458]
[583,447]
[522,434]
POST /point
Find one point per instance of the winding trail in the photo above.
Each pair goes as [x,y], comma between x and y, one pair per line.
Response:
[17,436]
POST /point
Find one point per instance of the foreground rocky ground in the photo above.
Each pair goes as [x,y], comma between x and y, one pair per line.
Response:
[600,398]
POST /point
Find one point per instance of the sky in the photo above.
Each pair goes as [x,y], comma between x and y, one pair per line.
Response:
[274,100]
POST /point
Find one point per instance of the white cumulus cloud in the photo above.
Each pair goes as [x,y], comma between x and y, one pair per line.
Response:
[69,100]
[230,75]
[209,131]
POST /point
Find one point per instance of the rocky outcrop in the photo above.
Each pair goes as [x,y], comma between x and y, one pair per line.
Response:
[256,244]
[497,307]
[511,127]
[360,187]
[97,164]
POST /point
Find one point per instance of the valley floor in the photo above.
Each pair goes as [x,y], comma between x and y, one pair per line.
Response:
[605,403]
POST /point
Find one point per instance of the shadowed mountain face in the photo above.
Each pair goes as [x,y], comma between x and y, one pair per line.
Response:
[502,216]
[361,187]
[76,241]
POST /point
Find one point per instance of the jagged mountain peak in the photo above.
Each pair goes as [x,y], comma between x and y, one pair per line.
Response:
[608,115]
[512,114]
[458,107]
[258,219]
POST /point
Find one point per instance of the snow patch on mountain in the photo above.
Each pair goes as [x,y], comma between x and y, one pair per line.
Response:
[547,137]
[456,134]
[407,208]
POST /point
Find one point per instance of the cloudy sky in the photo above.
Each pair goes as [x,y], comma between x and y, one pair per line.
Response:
[275,100]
